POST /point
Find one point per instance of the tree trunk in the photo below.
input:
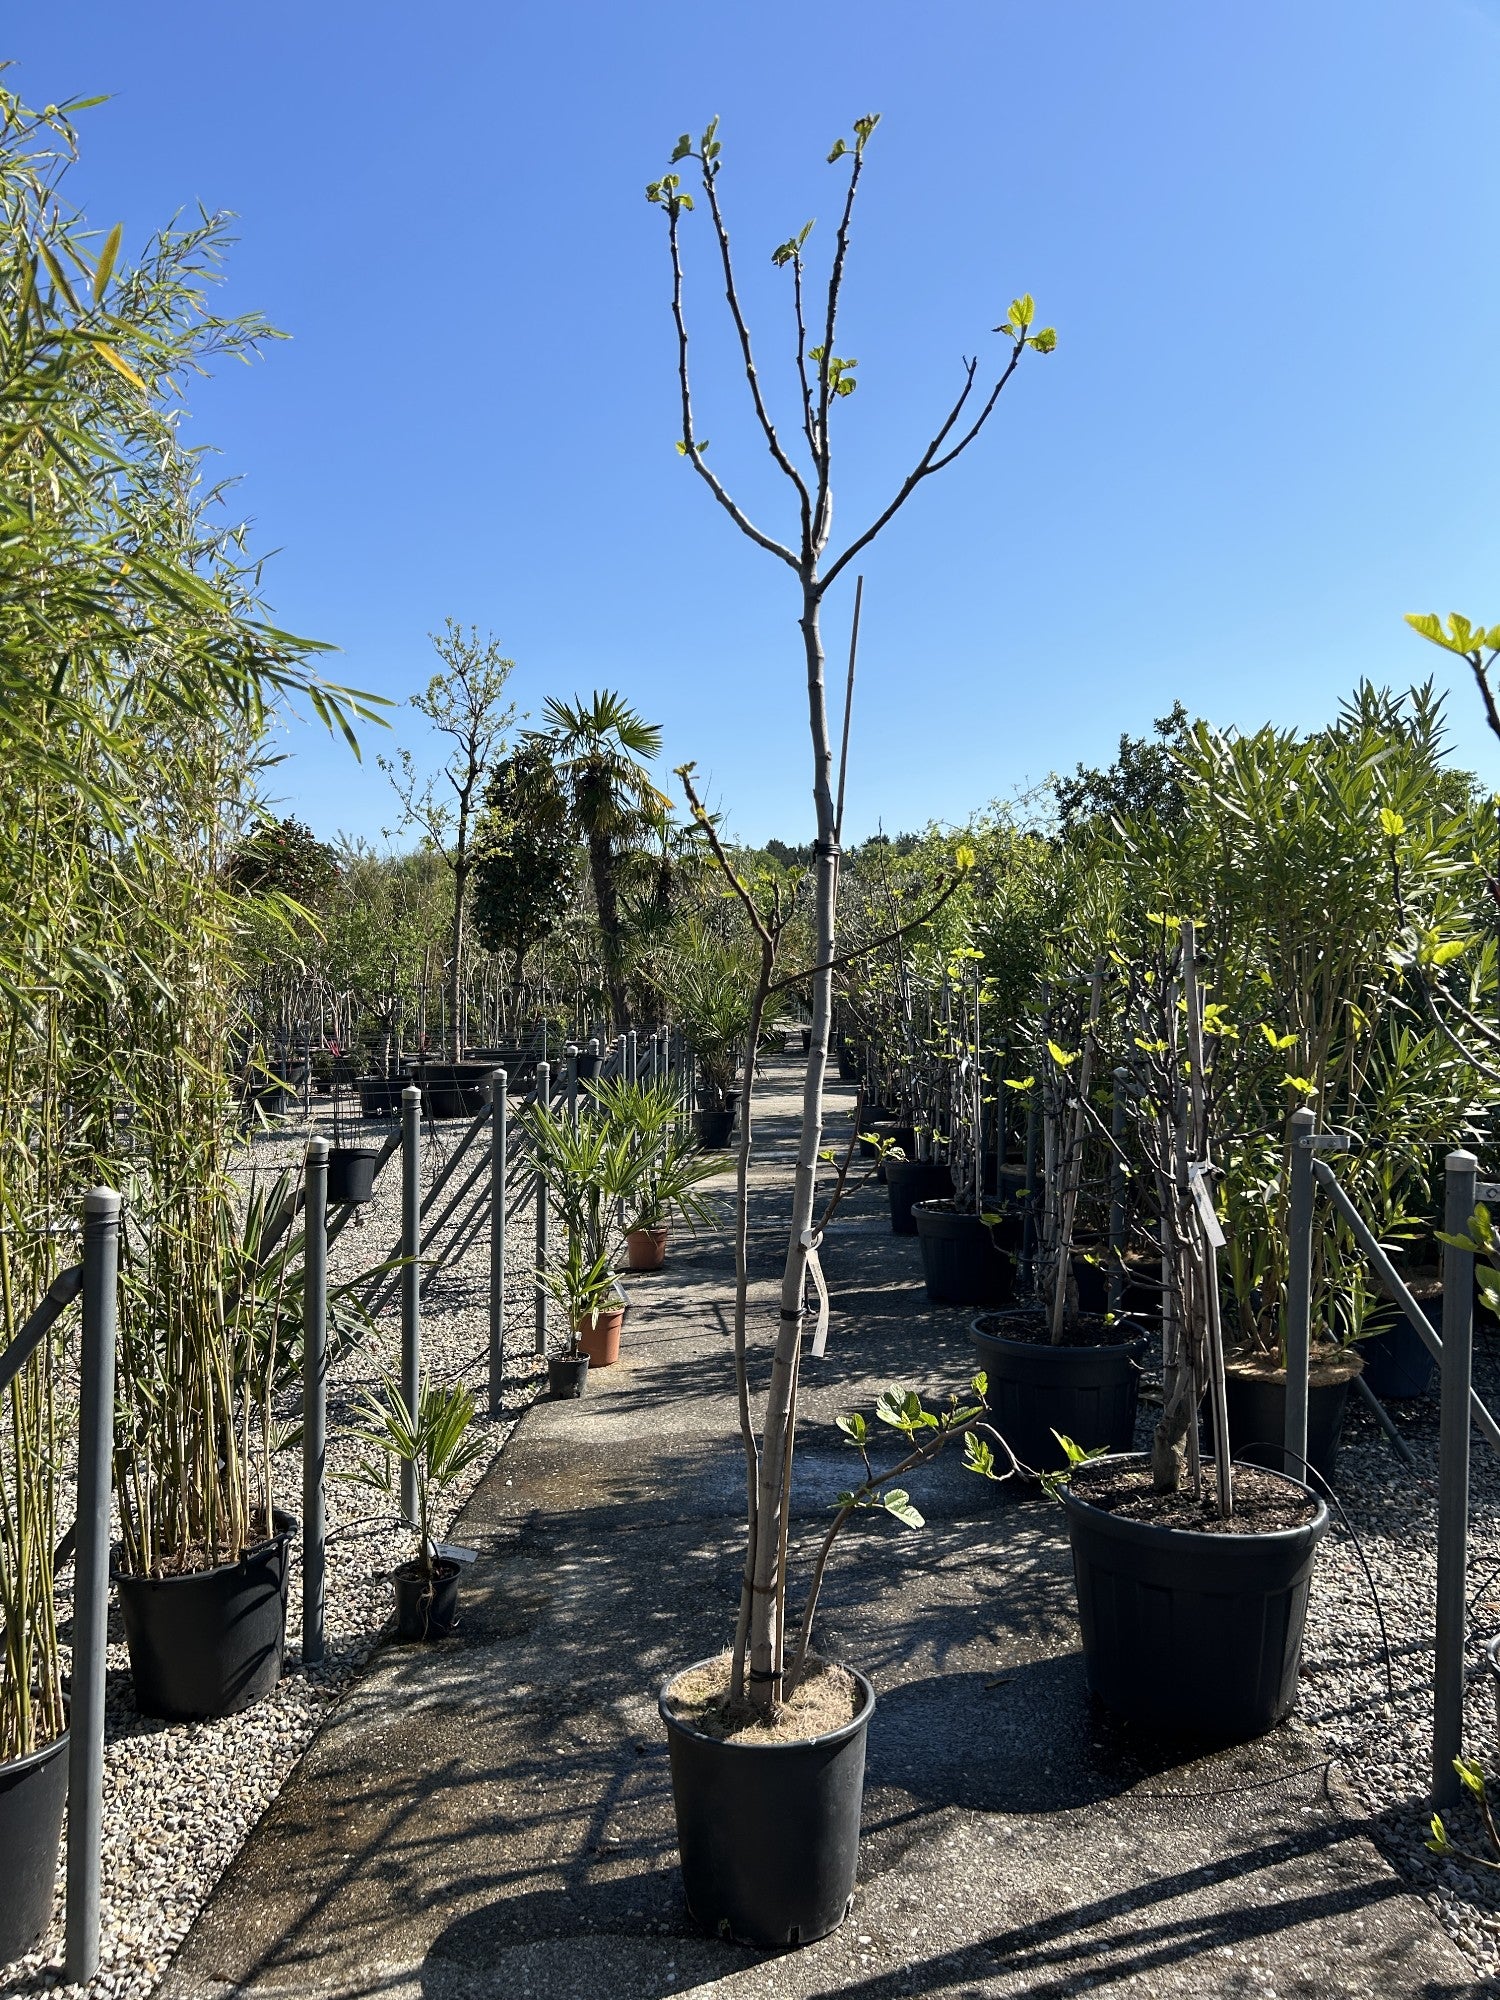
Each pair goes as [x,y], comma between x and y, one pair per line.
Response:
[456,943]
[768,1609]
[607,902]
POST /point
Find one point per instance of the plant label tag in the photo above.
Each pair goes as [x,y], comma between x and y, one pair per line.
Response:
[1212,1228]
[454,1552]
[820,1332]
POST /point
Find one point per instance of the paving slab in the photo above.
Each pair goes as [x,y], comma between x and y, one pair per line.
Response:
[493,1816]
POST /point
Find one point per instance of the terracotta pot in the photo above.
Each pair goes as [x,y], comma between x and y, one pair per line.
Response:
[646,1249]
[599,1336]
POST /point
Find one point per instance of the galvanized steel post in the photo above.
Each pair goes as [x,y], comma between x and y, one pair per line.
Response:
[543,1097]
[499,1145]
[411,1275]
[1298,1294]
[1453,1482]
[314,1396]
[96,1422]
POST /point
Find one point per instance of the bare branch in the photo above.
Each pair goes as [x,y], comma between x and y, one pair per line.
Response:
[808,428]
[731,293]
[767,933]
[690,445]
[871,944]
[822,519]
[930,461]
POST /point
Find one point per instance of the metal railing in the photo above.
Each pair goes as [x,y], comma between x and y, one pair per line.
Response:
[1459,1407]
[96,1282]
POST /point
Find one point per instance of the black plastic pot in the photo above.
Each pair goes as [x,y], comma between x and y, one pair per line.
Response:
[1186,1632]
[210,1642]
[380,1096]
[453,1090]
[1034,1389]
[768,1833]
[1397,1360]
[807,1041]
[713,1129]
[911,1180]
[961,1260]
[566,1375]
[351,1174]
[33,1791]
[588,1065]
[426,1606]
[1257,1421]
[849,1070]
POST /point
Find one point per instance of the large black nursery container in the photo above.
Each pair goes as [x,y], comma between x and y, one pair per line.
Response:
[966,1260]
[768,1833]
[713,1129]
[1256,1403]
[1186,1631]
[209,1642]
[33,1791]
[908,1181]
[1037,1393]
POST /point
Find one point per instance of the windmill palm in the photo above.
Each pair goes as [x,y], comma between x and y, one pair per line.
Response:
[600,750]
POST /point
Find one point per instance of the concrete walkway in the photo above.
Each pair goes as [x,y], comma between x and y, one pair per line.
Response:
[494,1818]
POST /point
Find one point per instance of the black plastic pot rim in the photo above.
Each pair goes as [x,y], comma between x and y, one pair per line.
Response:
[441,1570]
[1128,1529]
[287,1526]
[17,1767]
[829,1737]
[1134,1338]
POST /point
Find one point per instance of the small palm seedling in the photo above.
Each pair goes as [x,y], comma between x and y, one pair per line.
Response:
[437,1443]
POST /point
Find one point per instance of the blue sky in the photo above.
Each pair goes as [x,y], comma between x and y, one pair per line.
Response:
[1266,235]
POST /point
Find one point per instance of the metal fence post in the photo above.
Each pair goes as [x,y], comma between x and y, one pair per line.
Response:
[314,1397]
[571,1084]
[96,1425]
[411,1275]
[1116,1284]
[1453,1481]
[499,1142]
[1298,1295]
[543,1097]
[632,1057]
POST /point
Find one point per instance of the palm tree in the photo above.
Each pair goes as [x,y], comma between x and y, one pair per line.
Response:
[598,749]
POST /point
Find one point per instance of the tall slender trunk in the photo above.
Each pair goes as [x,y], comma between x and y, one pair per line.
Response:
[456,945]
[607,902]
[768,1608]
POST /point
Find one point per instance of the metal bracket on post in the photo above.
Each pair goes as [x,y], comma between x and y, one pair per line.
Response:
[96,1424]
[411,1275]
[314,1397]
[543,1097]
[1455,1383]
[499,1142]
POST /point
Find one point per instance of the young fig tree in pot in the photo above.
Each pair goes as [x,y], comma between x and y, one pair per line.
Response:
[968,1243]
[778,1866]
[1192,1574]
[1055,1369]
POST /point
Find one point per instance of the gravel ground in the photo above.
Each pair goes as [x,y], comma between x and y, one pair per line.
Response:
[1383,1745]
[181,1798]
